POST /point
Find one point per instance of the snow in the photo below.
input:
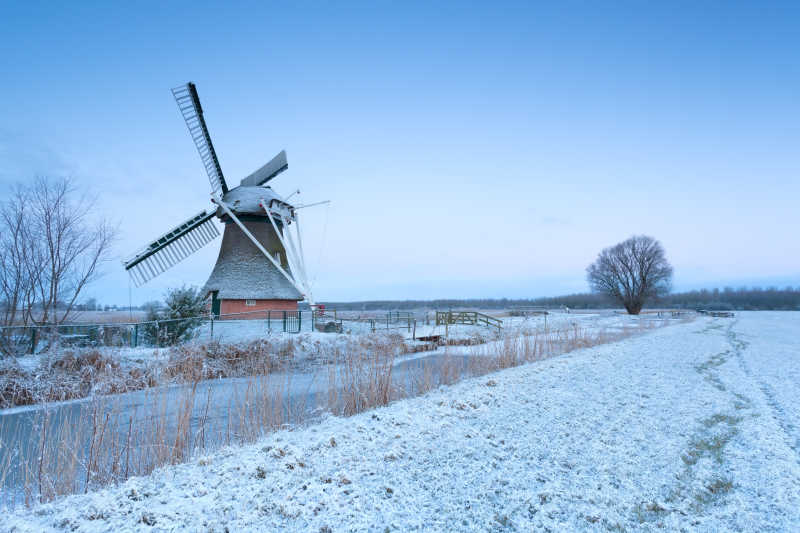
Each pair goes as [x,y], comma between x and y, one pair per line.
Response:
[309,343]
[691,427]
[598,320]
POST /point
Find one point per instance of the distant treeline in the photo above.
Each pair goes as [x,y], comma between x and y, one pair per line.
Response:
[714,299]
[745,299]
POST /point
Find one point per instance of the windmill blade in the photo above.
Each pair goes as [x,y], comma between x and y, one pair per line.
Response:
[171,248]
[268,171]
[189,103]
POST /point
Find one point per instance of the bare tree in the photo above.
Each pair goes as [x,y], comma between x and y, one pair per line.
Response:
[15,253]
[51,249]
[632,272]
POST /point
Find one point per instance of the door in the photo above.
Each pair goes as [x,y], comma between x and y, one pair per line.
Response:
[215,304]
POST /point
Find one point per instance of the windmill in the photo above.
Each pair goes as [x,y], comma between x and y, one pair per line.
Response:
[260,263]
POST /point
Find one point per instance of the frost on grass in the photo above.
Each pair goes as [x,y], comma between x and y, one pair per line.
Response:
[79,373]
[636,435]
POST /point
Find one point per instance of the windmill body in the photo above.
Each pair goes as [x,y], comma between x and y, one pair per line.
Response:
[243,280]
[260,264]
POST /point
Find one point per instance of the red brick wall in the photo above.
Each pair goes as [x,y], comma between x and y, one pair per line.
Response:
[238,306]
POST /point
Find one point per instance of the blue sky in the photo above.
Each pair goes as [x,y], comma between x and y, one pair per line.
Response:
[486,149]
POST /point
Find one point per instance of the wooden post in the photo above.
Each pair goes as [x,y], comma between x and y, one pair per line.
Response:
[414,335]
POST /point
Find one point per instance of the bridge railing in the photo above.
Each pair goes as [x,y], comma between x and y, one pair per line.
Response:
[473,318]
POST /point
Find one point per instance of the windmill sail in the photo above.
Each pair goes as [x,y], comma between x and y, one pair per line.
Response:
[189,104]
[277,165]
[171,248]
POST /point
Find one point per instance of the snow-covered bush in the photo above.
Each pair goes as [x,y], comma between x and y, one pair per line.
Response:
[177,321]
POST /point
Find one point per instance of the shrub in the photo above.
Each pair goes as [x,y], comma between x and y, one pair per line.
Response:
[179,318]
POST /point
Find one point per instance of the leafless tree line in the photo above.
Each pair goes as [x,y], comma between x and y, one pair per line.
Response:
[51,248]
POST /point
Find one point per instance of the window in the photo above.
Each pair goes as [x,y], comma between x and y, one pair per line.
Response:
[250,303]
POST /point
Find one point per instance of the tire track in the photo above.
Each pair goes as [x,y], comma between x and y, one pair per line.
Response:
[790,432]
[703,480]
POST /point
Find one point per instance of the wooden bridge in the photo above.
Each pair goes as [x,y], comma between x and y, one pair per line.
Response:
[472,318]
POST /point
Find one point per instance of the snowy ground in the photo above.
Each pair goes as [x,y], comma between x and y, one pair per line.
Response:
[691,427]
[591,321]
[308,345]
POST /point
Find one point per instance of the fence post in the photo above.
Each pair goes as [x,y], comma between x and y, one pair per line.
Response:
[212,326]
[284,321]
[299,321]
[414,335]
[269,321]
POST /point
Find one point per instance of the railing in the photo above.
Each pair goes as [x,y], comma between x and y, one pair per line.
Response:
[354,322]
[233,327]
[718,314]
[527,311]
[236,327]
[472,318]
[21,340]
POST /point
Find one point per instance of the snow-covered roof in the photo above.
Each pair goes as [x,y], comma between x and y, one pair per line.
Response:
[244,200]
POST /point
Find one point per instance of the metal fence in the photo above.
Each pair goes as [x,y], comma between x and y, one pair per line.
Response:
[22,340]
[353,322]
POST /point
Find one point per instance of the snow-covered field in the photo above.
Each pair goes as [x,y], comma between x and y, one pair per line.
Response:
[691,427]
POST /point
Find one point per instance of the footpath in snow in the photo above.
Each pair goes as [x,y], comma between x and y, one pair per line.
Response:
[690,427]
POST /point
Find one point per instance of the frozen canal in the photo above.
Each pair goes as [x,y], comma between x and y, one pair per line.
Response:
[216,407]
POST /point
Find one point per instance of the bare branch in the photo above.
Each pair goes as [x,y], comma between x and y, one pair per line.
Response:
[50,250]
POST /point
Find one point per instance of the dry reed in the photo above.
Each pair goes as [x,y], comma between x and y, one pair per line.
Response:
[102,441]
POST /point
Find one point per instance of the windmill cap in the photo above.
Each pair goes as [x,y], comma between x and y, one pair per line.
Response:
[244,200]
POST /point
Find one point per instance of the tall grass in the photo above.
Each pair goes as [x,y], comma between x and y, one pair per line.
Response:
[76,374]
[104,441]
